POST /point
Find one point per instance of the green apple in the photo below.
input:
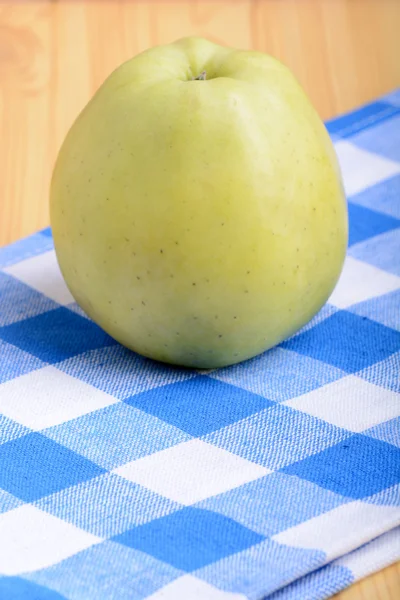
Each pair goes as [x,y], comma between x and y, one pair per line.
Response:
[197,206]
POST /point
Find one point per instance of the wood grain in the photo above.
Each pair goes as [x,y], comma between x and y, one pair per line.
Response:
[54,55]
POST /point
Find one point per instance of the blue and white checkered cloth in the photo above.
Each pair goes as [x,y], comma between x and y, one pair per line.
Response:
[278,478]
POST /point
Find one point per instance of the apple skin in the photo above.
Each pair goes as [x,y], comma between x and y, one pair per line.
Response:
[199,222]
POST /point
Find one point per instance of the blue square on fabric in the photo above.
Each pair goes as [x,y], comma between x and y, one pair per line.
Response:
[271,504]
[259,570]
[33,466]
[393,98]
[106,571]
[382,197]
[381,251]
[46,231]
[8,502]
[55,335]
[107,505]
[178,539]
[18,588]
[384,373]
[26,248]
[387,497]
[357,467]
[19,301]
[347,341]
[11,430]
[383,139]
[115,435]
[277,436]
[365,223]
[15,362]
[389,431]
[279,374]
[360,119]
[121,372]
[383,309]
[199,405]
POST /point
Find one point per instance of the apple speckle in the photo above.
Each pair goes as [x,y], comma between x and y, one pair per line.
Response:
[243,185]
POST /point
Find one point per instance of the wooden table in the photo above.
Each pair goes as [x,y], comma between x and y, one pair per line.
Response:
[54,54]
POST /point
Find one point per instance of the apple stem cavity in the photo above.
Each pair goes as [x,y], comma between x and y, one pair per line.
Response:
[201,77]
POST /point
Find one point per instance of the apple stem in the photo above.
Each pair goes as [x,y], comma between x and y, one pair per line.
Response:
[200,77]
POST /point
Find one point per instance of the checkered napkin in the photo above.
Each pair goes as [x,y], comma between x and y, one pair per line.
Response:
[278,478]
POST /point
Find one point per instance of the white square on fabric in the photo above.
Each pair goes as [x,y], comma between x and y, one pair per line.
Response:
[359,282]
[191,471]
[191,588]
[351,403]
[342,529]
[48,397]
[31,539]
[362,169]
[43,274]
